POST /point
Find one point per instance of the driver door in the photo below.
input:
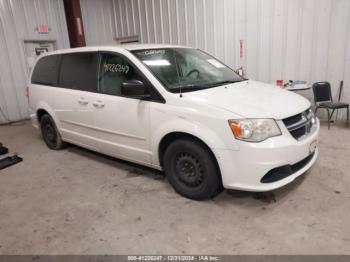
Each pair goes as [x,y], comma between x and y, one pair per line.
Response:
[122,122]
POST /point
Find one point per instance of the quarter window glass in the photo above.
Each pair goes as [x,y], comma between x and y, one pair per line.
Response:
[46,70]
[114,70]
[79,71]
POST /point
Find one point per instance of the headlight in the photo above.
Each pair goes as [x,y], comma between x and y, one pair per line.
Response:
[254,130]
[311,116]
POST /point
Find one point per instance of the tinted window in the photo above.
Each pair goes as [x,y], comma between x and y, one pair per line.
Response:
[79,71]
[114,70]
[46,70]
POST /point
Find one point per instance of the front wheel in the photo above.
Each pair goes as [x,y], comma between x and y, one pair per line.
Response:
[192,170]
[50,133]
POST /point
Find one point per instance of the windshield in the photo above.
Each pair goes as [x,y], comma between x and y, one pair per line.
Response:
[186,69]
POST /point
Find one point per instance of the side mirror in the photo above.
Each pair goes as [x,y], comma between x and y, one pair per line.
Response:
[135,89]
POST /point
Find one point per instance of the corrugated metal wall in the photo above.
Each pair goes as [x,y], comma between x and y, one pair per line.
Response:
[283,39]
[19,20]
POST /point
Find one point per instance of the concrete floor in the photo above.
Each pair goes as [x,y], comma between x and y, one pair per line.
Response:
[76,201]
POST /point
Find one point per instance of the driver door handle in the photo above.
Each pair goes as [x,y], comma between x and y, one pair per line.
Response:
[98,104]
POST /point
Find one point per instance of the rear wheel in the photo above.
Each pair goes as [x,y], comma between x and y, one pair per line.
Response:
[192,170]
[50,133]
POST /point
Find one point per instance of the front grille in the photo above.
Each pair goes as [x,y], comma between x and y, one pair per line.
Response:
[300,124]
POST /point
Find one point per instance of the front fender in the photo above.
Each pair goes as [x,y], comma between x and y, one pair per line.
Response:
[202,132]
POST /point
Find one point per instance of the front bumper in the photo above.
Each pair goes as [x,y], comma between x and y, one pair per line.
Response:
[244,169]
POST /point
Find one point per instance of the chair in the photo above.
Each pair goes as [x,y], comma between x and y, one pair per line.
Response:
[323,99]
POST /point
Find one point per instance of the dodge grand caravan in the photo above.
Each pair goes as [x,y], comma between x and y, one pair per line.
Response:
[175,109]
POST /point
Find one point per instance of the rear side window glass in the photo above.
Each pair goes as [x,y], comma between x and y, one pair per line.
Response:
[79,71]
[46,70]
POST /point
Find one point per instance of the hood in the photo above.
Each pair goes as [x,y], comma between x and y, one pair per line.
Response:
[252,99]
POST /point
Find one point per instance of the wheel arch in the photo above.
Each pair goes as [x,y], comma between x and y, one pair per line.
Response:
[173,136]
[43,108]
[40,112]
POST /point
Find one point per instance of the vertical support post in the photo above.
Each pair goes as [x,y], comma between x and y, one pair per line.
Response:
[74,23]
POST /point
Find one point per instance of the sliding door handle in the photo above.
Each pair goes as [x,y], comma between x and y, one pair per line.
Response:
[83,101]
[98,104]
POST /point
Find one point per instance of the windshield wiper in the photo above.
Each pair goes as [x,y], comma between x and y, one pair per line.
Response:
[222,83]
[193,87]
[189,87]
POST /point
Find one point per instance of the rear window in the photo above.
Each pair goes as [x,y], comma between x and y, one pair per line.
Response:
[79,71]
[46,70]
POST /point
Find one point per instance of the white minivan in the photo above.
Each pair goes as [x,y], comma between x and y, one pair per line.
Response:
[175,109]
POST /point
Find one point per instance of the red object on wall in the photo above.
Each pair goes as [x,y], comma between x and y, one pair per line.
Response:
[241,49]
[74,23]
[279,82]
[43,29]
[240,71]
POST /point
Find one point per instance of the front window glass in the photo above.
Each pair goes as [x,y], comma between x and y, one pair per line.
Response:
[114,70]
[186,69]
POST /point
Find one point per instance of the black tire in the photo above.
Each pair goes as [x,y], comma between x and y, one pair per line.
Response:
[192,169]
[50,133]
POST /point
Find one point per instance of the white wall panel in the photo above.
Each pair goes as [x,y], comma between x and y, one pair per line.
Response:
[209,35]
[200,22]
[144,32]
[337,49]
[19,20]
[158,21]
[182,26]
[322,38]
[292,55]
[307,41]
[190,23]
[265,42]
[283,39]
[150,21]
[219,29]
[240,25]
[252,36]
[229,31]
[164,19]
